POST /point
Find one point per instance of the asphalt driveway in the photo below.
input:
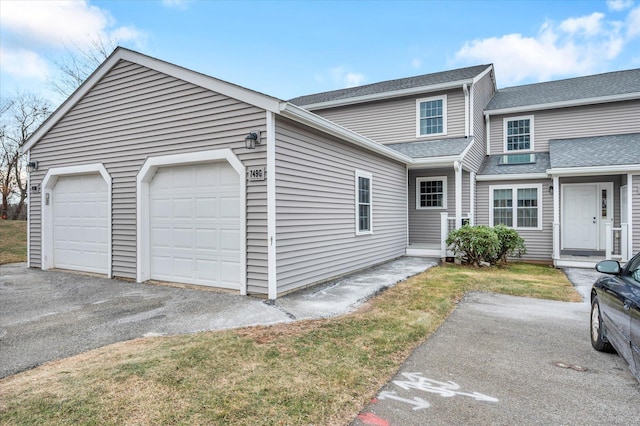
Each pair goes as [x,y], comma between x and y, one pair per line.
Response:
[48,315]
[504,360]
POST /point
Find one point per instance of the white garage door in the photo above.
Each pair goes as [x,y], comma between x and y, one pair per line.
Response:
[80,223]
[195,225]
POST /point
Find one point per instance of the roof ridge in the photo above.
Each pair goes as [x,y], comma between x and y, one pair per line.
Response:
[394,80]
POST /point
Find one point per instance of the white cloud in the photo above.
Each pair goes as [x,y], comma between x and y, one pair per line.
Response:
[588,25]
[633,23]
[618,5]
[176,4]
[35,27]
[54,23]
[343,78]
[416,63]
[575,46]
[23,64]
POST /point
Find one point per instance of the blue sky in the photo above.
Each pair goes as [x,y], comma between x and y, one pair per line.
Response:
[291,48]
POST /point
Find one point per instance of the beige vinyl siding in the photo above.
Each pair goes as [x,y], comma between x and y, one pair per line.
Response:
[134,113]
[315,207]
[483,90]
[539,243]
[635,193]
[424,224]
[584,121]
[394,120]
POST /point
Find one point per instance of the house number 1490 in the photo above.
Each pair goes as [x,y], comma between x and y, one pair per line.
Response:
[257,173]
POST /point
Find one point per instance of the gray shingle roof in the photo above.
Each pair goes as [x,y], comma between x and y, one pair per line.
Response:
[491,166]
[392,85]
[437,148]
[592,86]
[611,150]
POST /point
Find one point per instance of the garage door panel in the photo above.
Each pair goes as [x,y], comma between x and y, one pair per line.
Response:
[229,207]
[80,223]
[204,207]
[207,239]
[195,225]
[182,238]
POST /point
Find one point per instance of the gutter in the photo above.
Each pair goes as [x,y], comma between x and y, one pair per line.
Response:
[564,104]
[593,170]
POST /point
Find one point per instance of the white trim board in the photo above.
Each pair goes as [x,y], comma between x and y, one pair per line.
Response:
[148,169]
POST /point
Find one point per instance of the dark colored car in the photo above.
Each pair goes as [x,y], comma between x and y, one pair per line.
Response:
[615,311]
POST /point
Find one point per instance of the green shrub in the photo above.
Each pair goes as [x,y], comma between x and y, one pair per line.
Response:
[511,244]
[481,243]
[474,243]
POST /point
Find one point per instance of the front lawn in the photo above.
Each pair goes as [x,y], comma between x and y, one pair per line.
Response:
[318,372]
[13,241]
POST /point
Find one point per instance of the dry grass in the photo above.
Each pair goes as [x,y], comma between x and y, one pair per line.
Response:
[13,241]
[310,372]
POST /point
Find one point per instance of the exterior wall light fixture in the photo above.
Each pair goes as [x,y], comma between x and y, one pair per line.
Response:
[252,139]
[32,166]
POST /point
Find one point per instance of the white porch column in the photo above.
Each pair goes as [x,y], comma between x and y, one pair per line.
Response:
[629,233]
[457,167]
[608,240]
[444,233]
[624,242]
[556,218]
[472,198]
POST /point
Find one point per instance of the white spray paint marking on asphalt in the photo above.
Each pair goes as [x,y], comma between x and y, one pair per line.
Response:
[417,402]
[444,389]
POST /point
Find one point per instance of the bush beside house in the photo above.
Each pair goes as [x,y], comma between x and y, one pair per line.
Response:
[481,243]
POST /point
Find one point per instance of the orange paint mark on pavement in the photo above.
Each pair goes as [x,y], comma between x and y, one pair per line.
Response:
[372,420]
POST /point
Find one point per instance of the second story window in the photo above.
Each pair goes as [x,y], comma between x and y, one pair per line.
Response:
[518,132]
[431,116]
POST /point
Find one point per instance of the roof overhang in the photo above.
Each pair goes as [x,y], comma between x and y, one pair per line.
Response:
[594,170]
[564,104]
[520,176]
[434,162]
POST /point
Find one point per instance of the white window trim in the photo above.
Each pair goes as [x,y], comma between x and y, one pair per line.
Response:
[504,133]
[444,116]
[444,192]
[359,174]
[514,194]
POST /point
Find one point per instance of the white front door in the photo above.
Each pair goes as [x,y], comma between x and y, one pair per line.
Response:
[195,225]
[586,209]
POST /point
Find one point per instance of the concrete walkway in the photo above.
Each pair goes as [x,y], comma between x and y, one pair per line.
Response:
[48,315]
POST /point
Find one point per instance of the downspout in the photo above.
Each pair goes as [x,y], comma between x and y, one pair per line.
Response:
[465,89]
[457,167]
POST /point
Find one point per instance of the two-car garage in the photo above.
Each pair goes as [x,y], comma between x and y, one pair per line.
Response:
[190,220]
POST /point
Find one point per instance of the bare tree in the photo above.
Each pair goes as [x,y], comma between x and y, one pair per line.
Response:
[78,63]
[20,117]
